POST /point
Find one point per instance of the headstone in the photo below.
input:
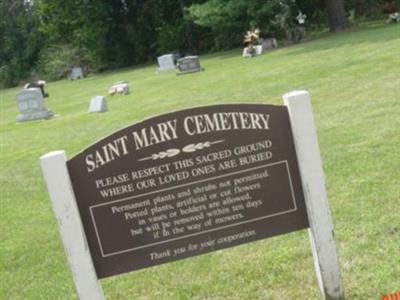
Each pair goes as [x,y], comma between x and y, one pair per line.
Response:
[119,87]
[269,44]
[76,73]
[166,62]
[189,64]
[299,33]
[98,104]
[31,105]
[258,50]
[246,52]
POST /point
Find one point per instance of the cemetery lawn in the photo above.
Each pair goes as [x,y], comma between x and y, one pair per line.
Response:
[353,78]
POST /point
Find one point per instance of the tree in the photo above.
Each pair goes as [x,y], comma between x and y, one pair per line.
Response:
[20,41]
[337,18]
[118,33]
[81,26]
[230,19]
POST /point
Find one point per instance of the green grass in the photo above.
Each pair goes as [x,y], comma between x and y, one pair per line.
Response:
[354,81]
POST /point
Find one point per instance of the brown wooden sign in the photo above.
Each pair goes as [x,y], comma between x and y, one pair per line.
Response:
[186,183]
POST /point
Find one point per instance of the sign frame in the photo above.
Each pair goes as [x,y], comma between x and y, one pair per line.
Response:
[87,284]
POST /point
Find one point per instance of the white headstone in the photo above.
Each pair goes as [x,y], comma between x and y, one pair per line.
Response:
[258,49]
[31,105]
[98,104]
[166,62]
[245,52]
[76,73]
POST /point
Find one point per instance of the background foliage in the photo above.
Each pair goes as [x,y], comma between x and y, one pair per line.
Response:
[20,41]
[47,37]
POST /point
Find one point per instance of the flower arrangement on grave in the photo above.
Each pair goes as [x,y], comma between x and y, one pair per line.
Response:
[299,31]
[286,21]
[250,40]
[301,18]
[393,18]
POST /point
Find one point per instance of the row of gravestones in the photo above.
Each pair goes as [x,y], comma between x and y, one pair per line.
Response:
[191,64]
[185,65]
[31,103]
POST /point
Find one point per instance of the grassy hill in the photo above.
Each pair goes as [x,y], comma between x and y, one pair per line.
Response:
[354,81]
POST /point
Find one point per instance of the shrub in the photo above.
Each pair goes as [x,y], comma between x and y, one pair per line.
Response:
[56,61]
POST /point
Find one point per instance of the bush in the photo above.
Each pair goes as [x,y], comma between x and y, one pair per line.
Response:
[56,61]
[6,77]
[372,8]
[52,62]
[20,41]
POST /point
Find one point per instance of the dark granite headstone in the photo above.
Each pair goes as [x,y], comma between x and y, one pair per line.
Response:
[189,64]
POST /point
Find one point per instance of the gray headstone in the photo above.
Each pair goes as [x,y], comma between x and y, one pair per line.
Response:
[189,64]
[76,73]
[31,105]
[166,62]
[98,104]
[269,44]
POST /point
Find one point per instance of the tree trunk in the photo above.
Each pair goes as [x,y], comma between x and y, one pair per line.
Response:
[337,18]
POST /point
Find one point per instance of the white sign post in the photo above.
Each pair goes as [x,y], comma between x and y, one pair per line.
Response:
[69,224]
[312,178]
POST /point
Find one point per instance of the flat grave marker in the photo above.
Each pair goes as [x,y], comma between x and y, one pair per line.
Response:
[119,87]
